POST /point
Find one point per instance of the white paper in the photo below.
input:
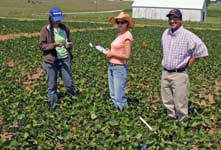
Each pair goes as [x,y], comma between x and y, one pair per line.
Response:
[101,49]
[91,45]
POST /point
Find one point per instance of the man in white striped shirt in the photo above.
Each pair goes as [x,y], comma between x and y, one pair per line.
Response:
[181,48]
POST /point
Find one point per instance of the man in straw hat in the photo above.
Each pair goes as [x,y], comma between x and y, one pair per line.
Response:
[118,57]
[181,48]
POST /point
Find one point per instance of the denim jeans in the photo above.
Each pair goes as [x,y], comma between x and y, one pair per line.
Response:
[117,79]
[63,66]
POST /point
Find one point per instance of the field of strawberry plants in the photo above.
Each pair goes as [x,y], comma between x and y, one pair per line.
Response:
[90,121]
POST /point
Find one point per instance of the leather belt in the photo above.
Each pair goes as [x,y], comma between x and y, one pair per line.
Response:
[175,70]
[116,64]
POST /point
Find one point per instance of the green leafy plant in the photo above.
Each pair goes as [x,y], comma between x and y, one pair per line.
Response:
[90,121]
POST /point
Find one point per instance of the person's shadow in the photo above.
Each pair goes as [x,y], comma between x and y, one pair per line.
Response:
[132,101]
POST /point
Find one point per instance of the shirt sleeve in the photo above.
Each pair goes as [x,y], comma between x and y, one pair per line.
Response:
[43,42]
[128,36]
[162,38]
[197,47]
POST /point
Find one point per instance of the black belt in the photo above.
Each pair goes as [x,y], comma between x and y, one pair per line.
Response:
[116,64]
[175,70]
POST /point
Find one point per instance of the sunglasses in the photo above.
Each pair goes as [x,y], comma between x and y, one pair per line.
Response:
[121,22]
[174,18]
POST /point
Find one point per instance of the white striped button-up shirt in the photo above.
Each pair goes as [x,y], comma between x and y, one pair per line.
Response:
[179,47]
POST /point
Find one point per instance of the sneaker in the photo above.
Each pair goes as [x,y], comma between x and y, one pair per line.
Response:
[51,105]
[183,119]
[76,92]
[172,118]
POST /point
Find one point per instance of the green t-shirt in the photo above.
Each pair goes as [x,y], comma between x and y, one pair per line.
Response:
[60,36]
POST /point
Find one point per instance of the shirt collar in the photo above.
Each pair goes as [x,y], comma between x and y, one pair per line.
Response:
[176,32]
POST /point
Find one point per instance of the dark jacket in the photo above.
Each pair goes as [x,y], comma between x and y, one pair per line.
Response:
[47,47]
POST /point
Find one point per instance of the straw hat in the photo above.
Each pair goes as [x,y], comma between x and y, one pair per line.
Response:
[123,16]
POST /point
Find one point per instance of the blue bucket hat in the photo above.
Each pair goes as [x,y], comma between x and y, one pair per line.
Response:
[56,14]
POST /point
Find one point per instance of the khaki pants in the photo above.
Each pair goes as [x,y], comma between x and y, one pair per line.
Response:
[175,93]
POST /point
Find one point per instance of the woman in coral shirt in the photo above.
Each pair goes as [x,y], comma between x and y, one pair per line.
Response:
[118,57]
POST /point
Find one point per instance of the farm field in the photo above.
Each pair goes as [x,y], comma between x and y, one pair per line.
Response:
[13,26]
[39,8]
[90,121]
[32,23]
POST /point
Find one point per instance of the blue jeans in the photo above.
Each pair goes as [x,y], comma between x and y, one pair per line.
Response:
[117,78]
[63,66]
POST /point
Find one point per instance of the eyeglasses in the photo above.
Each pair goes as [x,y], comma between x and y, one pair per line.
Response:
[121,22]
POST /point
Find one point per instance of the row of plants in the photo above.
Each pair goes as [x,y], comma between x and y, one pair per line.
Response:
[14,26]
[90,120]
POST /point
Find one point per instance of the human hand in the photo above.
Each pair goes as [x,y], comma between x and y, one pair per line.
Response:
[57,44]
[108,53]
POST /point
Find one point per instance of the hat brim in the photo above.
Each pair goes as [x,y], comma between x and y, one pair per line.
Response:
[130,21]
[168,15]
[58,18]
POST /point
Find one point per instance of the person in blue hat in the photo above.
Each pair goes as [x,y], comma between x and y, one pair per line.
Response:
[56,45]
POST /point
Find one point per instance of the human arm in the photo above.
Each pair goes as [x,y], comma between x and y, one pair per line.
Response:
[43,42]
[198,48]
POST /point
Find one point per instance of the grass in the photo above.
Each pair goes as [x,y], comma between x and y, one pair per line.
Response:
[214,10]
[20,8]
[214,13]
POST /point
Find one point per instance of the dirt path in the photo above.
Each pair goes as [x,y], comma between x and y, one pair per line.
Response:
[77,21]
[93,12]
[34,34]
